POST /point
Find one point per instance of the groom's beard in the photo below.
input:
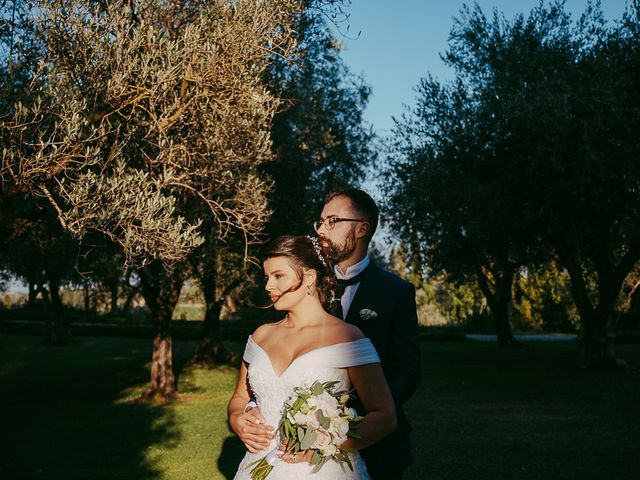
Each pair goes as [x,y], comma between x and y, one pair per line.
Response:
[338,253]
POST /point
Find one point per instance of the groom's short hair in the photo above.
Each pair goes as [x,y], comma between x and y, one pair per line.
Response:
[362,203]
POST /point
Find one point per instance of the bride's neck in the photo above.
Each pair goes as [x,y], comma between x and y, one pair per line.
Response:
[305,313]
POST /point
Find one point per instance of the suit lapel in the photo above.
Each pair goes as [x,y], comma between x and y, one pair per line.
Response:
[363,296]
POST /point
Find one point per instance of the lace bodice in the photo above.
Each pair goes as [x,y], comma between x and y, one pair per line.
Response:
[270,390]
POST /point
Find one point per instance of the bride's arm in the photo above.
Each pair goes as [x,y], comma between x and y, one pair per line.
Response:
[380,418]
[249,425]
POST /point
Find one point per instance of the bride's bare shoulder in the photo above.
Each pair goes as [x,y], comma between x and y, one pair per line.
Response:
[343,331]
[263,331]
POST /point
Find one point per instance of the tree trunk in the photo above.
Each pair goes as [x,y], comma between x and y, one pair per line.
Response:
[504,316]
[58,329]
[33,292]
[210,352]
[113,288]
[500,302]
[126,307]
[161,291]
[86,297]
[42,290]
[598,341]
[598,344]
[598,325]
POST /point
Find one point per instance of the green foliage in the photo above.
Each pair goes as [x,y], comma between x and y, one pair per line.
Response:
[320,141]
[440,301]
[134,109]
[454,302]
[528,156]
[543,299]
[44,255]
[139,216]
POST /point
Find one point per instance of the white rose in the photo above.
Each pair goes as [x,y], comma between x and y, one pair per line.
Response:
[329,450]
[300,418]
[325,402]
[340,428]
[312,422]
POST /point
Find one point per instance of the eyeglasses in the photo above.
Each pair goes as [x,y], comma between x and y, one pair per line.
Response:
[330,222]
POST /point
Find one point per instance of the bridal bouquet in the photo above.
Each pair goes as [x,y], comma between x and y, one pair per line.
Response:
[313,418]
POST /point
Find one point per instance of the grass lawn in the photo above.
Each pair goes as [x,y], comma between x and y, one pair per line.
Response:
[481,413]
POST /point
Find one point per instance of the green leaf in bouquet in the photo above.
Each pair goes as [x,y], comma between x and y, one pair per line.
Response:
[291,433]
[317,388]
[343,457]
[301,433]
[316,458]
[308,440]
[348,461]
[286,430]
[324,421]
[330,385]
[353,430]
[295,408]
[320,464]
[343,398]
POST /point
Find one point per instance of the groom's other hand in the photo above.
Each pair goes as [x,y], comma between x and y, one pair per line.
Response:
[250,427]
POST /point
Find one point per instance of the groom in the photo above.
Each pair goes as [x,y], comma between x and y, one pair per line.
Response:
[383,306]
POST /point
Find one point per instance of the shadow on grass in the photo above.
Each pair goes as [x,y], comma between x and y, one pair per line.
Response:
[484,413]
[233,451]
[64,415]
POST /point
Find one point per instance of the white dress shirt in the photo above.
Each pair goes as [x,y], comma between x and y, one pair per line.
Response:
[350,290]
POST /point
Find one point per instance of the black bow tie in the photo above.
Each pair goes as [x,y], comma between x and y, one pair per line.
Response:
[345,282]
[342,284]
[350,281]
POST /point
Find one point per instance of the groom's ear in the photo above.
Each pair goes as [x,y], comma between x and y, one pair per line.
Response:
[362,230]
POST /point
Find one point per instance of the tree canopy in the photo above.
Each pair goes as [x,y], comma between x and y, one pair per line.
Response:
[529,155]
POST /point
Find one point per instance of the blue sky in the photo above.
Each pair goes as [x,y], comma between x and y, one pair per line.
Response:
[400,42]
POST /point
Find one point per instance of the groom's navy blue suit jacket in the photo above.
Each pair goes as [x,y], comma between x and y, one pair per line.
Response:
[393,330]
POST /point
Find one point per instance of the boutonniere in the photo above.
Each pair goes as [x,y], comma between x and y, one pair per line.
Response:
[367,314]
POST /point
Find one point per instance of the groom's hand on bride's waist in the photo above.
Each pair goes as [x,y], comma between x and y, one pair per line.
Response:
[250,427]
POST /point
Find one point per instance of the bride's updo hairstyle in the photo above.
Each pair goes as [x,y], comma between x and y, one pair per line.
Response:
[305,253]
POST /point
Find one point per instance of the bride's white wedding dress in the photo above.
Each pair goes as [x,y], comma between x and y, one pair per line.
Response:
[327,363]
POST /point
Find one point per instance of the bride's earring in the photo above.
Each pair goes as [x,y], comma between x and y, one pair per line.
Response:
[308,289]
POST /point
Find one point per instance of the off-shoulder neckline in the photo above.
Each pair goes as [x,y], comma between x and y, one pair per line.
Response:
[302,354]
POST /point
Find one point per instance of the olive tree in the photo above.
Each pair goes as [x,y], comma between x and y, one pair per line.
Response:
[135,110]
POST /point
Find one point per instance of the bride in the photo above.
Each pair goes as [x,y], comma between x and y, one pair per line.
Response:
[307,345]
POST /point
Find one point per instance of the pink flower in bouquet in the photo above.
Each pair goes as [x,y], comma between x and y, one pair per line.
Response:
[322,440]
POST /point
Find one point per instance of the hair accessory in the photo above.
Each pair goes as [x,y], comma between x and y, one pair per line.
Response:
[316,247]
